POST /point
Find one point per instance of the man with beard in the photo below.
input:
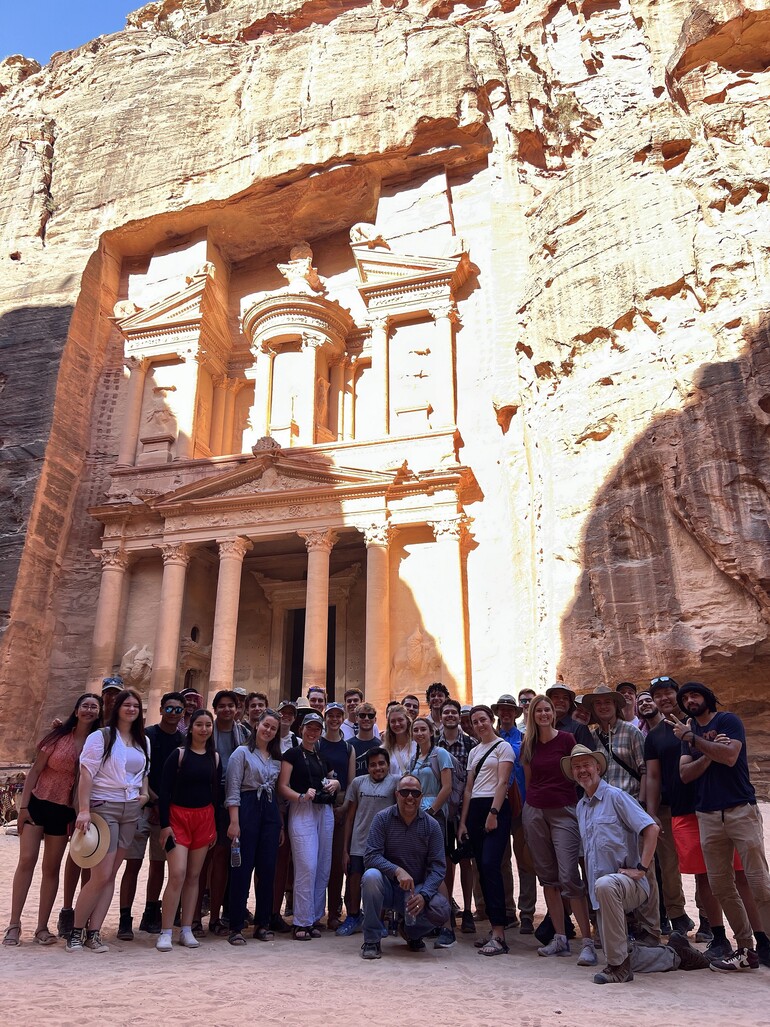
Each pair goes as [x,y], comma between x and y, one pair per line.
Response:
[563,699]
[714,754]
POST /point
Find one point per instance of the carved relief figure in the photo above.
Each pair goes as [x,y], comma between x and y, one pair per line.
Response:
[300,273]
[136,667]
[416,663]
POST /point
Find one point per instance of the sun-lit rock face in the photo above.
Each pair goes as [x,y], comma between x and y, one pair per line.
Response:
[606,165]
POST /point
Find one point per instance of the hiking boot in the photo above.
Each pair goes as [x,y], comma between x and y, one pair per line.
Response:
[544,931]
[151,922]
[94,942]
[719,949]
[415,944]
[587,955]
[704,932]
[690,958]
[615,974]
[126,927]
[527,924]
[371,950]
[65,923]
[644,938]
[467,923]
[740,960]
[351,925]
[75,940]
[665,925]
[446,939]
[557,946]
[763,952]
[681,924]
[511,921]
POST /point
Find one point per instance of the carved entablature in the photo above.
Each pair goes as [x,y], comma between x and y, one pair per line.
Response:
[397,284]
[190,323]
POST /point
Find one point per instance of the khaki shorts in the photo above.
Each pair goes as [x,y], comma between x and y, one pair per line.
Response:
[122,819]
[146,832]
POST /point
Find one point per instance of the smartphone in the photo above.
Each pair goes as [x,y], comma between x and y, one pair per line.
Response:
[170,843]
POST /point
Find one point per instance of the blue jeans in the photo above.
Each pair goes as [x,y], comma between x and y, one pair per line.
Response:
[379,892]
[260,824]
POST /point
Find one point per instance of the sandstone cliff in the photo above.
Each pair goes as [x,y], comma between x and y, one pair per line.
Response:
[608,164]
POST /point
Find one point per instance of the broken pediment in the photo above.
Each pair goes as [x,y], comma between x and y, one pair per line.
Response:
[406,283]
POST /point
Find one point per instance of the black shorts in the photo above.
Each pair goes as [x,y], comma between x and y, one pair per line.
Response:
[54,818]
[451,838]
[356,865]
[222,818]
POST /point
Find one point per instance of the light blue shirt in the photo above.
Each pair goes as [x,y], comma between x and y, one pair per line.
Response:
[428,773]
[610,824]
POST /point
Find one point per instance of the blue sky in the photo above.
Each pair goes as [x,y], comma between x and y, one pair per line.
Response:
[38,28]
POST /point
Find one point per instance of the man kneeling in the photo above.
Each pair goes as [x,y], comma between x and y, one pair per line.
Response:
[405,868]
[619,841]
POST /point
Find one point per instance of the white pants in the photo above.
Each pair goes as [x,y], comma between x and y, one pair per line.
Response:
[310,830]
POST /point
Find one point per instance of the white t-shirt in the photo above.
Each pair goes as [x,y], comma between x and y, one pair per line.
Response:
[485,783]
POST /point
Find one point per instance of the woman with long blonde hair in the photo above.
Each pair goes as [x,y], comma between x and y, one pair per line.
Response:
[551,827]
[397,740]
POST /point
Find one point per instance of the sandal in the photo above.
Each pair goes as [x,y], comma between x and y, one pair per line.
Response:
[493,947]
[263,934]
[482,941]
[44,937]
[198,930]
[236,938]
[316,929]
[12,935]
[218,929]
[302,933]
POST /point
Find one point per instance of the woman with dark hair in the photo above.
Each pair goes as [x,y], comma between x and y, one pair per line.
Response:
[551,827]
[486,820]
[46,813]
[255,821]
[305,784]
[189,789]
[113,782]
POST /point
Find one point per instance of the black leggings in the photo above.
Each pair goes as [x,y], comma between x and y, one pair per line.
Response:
[488,851]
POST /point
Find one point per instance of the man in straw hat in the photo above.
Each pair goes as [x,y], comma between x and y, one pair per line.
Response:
[563,699]
[619,841]
[621,743]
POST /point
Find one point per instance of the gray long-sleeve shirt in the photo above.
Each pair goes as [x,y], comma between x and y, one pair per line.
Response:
[249,771]
[417,848]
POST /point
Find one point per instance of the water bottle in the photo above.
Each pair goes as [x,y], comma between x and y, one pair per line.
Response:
[393,924]
[409,918]
[235,853]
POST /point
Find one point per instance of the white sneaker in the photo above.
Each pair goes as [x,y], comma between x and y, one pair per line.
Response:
[557,946]
[164,942]
[188,939]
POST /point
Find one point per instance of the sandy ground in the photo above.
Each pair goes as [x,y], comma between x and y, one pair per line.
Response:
[324,982]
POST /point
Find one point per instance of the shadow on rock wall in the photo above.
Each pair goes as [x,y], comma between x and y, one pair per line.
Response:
[676,554]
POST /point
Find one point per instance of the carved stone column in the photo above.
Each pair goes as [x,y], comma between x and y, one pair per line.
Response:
[348,413]
[231,554]
[453,538]
[176,557]
[319,546]
[377,673]
[218,414]
[380,390]
[137,367]
[114,566]
[337,397]
[187,378]
[259,415]
[443,398]
[233,386]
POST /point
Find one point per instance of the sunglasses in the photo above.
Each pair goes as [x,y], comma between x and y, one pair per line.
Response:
[366,716]
[525,702]
[409,793]
[656,681]
[173,709]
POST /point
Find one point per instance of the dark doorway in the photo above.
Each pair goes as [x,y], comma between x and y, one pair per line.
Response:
[295,644]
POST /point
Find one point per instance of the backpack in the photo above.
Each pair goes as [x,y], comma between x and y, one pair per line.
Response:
[455,800]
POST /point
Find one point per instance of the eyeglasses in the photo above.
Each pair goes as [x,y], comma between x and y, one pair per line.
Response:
[91,707]
[409,793]
[660,681]
[173,709]
[366,716]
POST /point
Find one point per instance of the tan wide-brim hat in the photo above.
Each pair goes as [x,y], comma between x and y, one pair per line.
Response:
[88,848]
[582,750]
[603,692]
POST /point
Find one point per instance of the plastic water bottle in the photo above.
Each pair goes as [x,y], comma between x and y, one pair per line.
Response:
[235,853]
[409,918]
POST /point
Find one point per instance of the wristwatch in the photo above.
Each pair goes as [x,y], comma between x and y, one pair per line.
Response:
[642,867]
[494,811]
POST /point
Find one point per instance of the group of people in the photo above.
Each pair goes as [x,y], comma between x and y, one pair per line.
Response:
[605,799]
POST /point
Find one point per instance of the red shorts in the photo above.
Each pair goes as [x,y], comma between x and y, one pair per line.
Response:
[688,848]
[193,828]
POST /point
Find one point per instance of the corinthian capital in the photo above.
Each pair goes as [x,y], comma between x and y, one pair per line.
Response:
[322,539]
[137,365]
[377,534]
[234,548]
[175,552]
[114,559]
[454,529]
[444,310]
[378,322]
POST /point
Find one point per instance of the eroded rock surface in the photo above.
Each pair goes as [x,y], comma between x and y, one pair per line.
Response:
[608,165]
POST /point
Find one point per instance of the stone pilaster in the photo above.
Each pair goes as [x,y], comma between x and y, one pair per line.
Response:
[453,538]
[377,668]
[319,545]
[137,367]
[115,563]
[176,557]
